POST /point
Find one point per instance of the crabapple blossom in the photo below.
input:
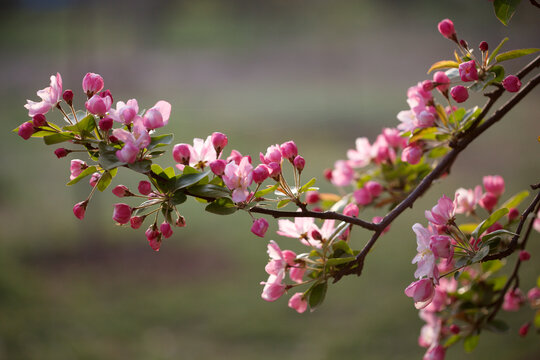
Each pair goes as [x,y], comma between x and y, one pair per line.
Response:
[351,210]
[446,28]
[467,71]
[92,83]
[218,166]
[312,197]
[219,140]
[488,201]
[374,188]
[513,300]
[68,97]
[299,163]
[361,156]
[441,246]
[260,173]
[39,120]
[298,303]
[533,296]
[166,230]
[273,154]
[442,80]
[259,227]
[296,273]
[362,196]
[425,259]
[412,154]
[289,150]
[237,178]
[511,83]
[157,116]
[76,168]
[105,123]
[421,291]
[99,105]
[483,46]
[128,153]
[181,153]
[441,213]
[343,173]
[79,209]
[235,156]
[154,237]
[202,153]
[94,179]
[122,213]
[494,184]
[513,214]
[26,130]
[61,152]
[126,112]
[50,97]
[467,199]
[524,255]
[136,222]
[436,352]
[459,93]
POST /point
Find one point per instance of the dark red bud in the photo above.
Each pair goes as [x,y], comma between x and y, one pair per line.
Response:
[483,46]
[68,96]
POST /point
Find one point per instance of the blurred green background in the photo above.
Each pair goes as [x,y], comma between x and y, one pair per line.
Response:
[263,72]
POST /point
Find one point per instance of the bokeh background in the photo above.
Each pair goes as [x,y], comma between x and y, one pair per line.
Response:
[263,72]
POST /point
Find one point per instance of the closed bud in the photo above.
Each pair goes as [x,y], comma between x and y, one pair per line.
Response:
[154,237]
[92,83]
[98,105]
[454,329]
[26,130]
[259,227]
[463,43]
[488,201]
[121,191]
[39,120]
[374,188]
[427,85]
[459,93]
[446,28]
[351,210]
[511,83]
[328,174]
[513,214]
[524,329]
[181,153]
[362,196]
[289,150]
[260,173]
[166,230]
[68,97]
[105,124]
[122,213]
[275,170]
[312,197]
[113,139]
[219,141]
[218,166]
[61,152]
[136,221]
[94,179]
[442,81]
[483,46]
[524,255]
[299,163]
[79,209]
[145,187]
[412,154]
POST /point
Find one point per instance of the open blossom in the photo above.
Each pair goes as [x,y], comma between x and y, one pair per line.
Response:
[50,97]
[441,246]
[467,199]
[513,300]
[99,104]
[76,168]
[298,303]
[202,153]
[381,150]
[441,213]
[279,260]
[436,352]
[297,229]
[421,291]
[343,173]
[157,116]
[238,178]
[133,141]
[125,112]
[361,156]
[425,259]
[467,71]
[273,155]
[494,184]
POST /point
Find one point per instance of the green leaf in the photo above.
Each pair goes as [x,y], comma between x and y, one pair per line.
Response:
[89,170]
[515,200]
[87,125]
[57,138]
[495,234]
[104,181]
[169,172]
[497,326]
[339,261]
[480,85]
[189,170]
[141,166]
[156,169]
[189,179]
[161,140]
[438,152]
[470,343]
[342,245]
[492,266]
[499,73]
[167,214]
[307,185]
[209,191]
[443,64]
[538,282]
[156,154]
[268,190]
[223,206]
[107,157]
[492,219]
[178,197]
[505,9]
[537,320]
[452,340]
[283,202]
[468,228]
[499,282]
[482,253]
[496,51]
[424,134]
[317,294]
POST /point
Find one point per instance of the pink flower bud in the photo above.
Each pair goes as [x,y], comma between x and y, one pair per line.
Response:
[76,168]
[441,246]
[181,153]
[524,329]
[494,184]
[259,227]
[374,188]
[218,166]
[513,300]
[219,141]
[61,152]
[299,163]
[98,105]
[68,96]
[442,81]
[533,296]
[459,93]
[136,222]
[273,291]
[436,352]
[26,130]
[275,170]
[166,230]
[260,173]
[483,46]
[298,303]
[362,196]
[351,210]
[145,187]
[39,120]
[524,255]
[463,43]
[289,150]
[106,93]
[94,179]
[467,71]
[427,85]
[121,191]
[121,213]
[412,154]
[92,83]
[513,214]
[154,237]
[488,201]
[328,174]
[511,83]
[312,197]
[181,221]
[446,28]
[113,139]
[454,329]
[235,156]
[422,291]
[79,209]
[106,123]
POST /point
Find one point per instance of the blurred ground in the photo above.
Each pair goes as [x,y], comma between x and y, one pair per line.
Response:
[319,72]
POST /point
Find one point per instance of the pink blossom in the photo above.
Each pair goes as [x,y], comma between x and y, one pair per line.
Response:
[122,213]
[425,258]
[125,113]
[425,119]
[343,174]
[467,199]
[442,81]
[260,173]
[218,166]
[133,141]
[219,140]
[441,213]
[121,191]
[533,295]
[238,178]
[39,120]
[299,163]
[273,154]
[421,291]
[92,83]
[297,229]
[61,152]
[79,209]
[201,153]
[166,230]
[441,246]
[181,153]
[105,123]
[26,130]
[98,105]
[154,237]
[536,223]
[488,201]
[136,222]
[94,179]
[511,83]
[273,288]
[446,28]
[259,227]
[157,116]
[235,156]
[50,97]
[181,222]
[289,150]
[296,273]
[412,154]
[513,214]
[430,332]
[524,329]
[351,210]
[374,188]
[494,184]
[76,168]
[362,196]
[312,197]
[467,71]
[436,352]
[393,137]
[381,151]
[408,121]
[361,156]
[524,255]
[298,303]
[459,93]
[513,300]
[274,169]
[144,187]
